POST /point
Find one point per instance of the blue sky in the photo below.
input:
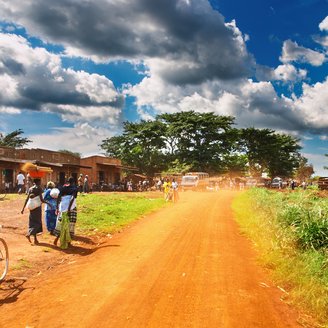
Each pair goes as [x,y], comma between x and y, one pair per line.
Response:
[71,72]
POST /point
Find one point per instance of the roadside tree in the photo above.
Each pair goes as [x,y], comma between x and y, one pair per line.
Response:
[304,170]
[141,145]
[13,139]
[201,140]
[270,152]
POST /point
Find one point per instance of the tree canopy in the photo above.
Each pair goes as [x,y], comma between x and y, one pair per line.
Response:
[203,142]
[268,151]
[66,151]
[13,139]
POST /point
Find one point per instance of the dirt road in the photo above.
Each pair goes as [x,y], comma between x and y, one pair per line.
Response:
[185,266]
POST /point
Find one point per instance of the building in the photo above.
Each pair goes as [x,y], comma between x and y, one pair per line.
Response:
[102,170]
[63,165]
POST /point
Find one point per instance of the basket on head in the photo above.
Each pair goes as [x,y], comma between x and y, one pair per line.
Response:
[37,174]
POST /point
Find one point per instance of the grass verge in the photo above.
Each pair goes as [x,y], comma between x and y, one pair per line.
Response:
[289,232]
[110,212]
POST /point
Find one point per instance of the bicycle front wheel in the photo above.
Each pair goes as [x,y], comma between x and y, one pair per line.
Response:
[4,259]
[2,194]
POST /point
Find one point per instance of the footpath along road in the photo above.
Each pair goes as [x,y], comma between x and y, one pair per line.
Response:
[185,266]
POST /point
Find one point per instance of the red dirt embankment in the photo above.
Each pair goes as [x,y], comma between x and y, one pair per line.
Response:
[184,266]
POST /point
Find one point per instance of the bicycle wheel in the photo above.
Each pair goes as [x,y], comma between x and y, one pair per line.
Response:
[4,259]
[2,194]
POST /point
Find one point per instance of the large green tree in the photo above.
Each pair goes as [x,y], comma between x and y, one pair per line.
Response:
[268,151]
[13,139]
[202,140]
[199,141]
[141,145]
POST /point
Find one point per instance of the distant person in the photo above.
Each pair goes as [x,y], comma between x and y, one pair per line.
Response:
[86,188]
[20,182]
[280,184]
[167,190]
[293,184]
[51,195]
[175,190]
[33,202]
[7,186]
[67,214]
[130,185]
[80,183]
[159,185]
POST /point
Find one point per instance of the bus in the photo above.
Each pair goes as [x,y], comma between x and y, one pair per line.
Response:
[195,181]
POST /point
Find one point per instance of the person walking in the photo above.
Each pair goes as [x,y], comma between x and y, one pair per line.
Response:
[67,214]
[293,184]
[80,183]
[33,202]
[175,191]
[51,195]
[167,186]
[86,184]
[20,182]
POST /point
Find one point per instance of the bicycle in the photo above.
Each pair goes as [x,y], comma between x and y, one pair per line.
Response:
[4,259]
[3,194]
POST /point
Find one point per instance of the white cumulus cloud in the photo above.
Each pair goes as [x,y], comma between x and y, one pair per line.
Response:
[323,26]
[292,52]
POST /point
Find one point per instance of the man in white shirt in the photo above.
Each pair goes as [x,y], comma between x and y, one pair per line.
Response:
[20,182]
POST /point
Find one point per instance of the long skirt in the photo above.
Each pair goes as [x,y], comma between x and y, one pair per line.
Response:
[51,219]
[35,222]
[72,217]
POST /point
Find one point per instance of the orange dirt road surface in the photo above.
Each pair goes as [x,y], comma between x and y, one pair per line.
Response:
[185,266]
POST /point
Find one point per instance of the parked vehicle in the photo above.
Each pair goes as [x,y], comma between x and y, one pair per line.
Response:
[250,182]
[278,183]
[195,181]
[323,183]
[189,182]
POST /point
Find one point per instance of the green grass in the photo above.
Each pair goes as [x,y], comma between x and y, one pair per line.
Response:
[13,197]
[290,232]
[111,212]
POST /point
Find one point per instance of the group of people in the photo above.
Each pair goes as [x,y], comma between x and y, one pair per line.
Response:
[60,211]
[83,184]
[170,188]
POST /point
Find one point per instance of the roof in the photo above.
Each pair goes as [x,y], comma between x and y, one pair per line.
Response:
[108,164]
[140,176]
[77,165]
[13,160]
[47,163]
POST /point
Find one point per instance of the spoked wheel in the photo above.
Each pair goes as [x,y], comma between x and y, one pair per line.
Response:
[2,194]
[4,259]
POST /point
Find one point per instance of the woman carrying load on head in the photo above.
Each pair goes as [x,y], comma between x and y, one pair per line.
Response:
[51,195]
[34,201]
[67,214]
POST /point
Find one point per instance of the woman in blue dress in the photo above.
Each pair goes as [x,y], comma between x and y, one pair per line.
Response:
[50,211]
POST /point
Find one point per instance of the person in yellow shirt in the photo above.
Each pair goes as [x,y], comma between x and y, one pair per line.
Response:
[167,186]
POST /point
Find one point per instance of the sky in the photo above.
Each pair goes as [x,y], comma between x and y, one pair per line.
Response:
[72,71]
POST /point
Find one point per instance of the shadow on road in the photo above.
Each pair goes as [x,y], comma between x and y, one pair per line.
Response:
[76,249]
[10,290]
